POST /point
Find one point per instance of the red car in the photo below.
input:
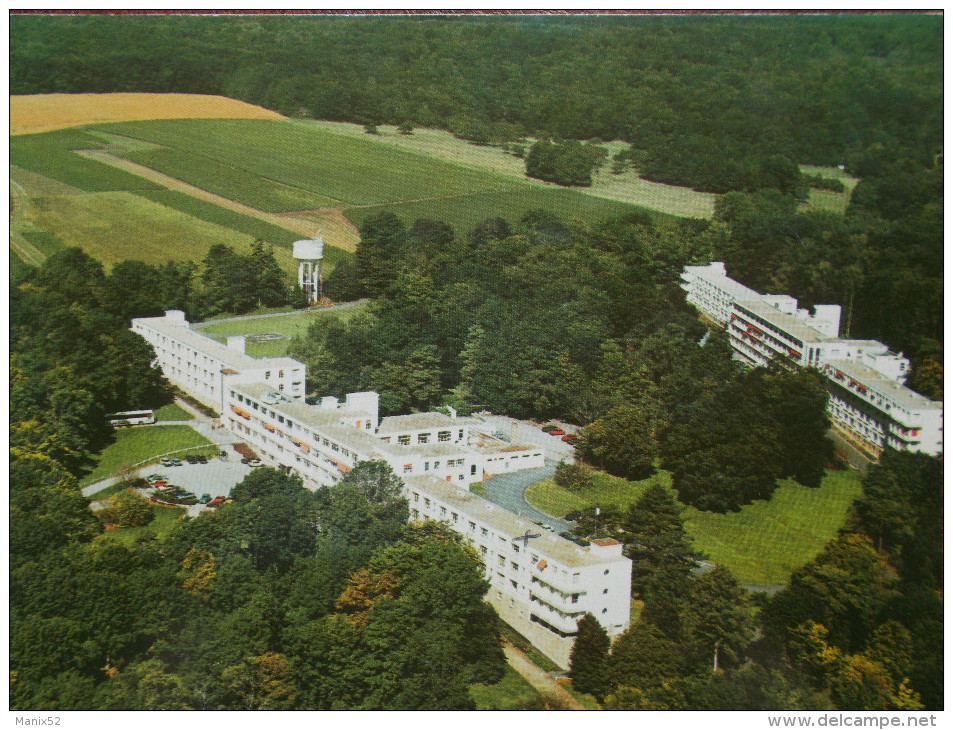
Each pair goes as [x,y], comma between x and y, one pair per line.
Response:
[570,437]
[556,432]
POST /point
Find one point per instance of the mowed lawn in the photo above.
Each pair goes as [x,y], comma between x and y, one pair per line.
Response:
[761,544]
[347,170]
[293,324]
[139,443]
[172,412]
[116,226]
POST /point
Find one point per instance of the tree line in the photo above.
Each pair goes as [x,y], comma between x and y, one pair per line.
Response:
[709,102]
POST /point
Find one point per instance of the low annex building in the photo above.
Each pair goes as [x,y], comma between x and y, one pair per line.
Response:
[540,583]
[868,399]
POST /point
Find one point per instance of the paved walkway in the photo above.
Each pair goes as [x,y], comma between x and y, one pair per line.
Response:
[540,679]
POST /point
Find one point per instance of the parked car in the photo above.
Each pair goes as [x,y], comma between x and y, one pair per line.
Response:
[255,462]
[175,462]
[155,477]
[570,437]
[202,459]
[556,432]
[192,458]
[549,428]
[165,461]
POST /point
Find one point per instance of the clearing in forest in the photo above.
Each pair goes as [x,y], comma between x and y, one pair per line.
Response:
[42,112]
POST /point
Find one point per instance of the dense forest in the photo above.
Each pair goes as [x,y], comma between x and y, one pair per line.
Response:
[288,599]
[703,100]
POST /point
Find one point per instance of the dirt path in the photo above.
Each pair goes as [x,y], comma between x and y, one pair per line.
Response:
[329,222]
[538,678]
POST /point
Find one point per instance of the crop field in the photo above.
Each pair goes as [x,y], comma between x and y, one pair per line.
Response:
[116,226]
[39,112]
[463,212]
[350,171]
[624,188]
[761,544]
[51,155]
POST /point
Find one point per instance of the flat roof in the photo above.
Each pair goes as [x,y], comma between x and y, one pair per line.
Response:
[903,395]
[213,348]
[328,422]
[786,322]
[476,507]
[722,280]
[414,421]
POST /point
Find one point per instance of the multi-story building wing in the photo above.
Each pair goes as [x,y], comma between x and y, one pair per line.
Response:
[880,411]
[202,366]
[868,400]
[541,583]
[323,442]
[709,289]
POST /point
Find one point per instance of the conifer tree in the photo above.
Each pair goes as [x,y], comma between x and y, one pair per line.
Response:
[588,660]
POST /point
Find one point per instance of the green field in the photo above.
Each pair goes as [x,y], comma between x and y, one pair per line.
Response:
[116,226]
[828,199]
[624,188]
[505,694]
[760,545]
[348,170]
[140,443]
[50,155]
[164,521]
[293,324]
[463,212]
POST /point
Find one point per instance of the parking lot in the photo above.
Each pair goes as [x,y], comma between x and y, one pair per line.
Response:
[216,478]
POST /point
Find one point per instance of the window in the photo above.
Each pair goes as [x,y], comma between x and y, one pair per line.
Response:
[575,598]
[605,610]
[513,583]
[367,427]
[514,565]
[516,548]
[267,374]
[436,465]
[443,511]
[426,502]
[403,440]
[535,559]
[443,436]
[472,469]
[416,497]
[281,419]
[472,526]
[605,572]
[575,578]
[416,514]
[501,560]
[426,466]
[423,438]
[482,549]
[605,591]
[461,433]
[408,468]
[484,531]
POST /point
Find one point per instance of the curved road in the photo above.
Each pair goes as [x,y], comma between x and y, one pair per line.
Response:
[508,491]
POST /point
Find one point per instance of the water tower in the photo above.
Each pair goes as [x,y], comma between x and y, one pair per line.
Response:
[309,253]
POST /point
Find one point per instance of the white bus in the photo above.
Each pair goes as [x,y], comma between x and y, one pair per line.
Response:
[131,418]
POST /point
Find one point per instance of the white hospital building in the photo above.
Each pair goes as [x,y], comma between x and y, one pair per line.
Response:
[541,584]
[868,400]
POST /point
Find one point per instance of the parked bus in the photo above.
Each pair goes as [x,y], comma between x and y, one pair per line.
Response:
[131,418]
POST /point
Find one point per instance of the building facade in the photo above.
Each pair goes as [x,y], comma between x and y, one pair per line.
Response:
[201,366]
[868,401]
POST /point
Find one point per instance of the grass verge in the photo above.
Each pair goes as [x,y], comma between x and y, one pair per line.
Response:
[172,412]
[140,443]
[507,694]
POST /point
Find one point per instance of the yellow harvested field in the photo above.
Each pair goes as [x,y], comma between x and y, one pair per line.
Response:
[43,112]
